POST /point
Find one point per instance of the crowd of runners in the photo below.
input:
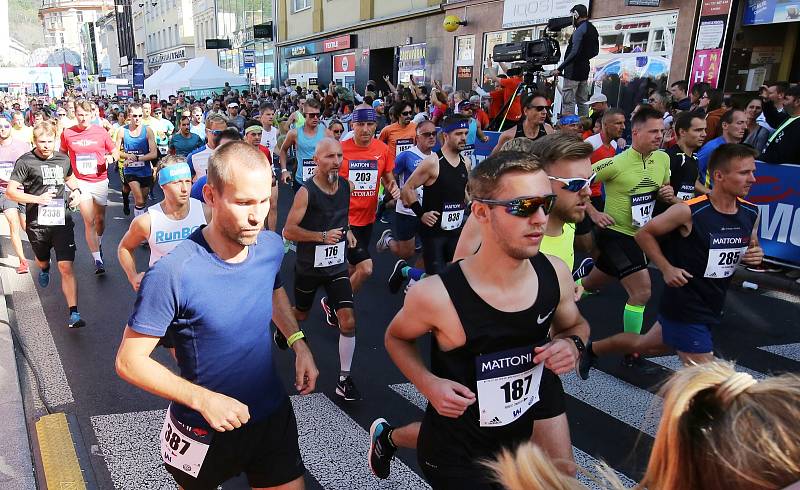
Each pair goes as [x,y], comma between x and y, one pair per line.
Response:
[493,255]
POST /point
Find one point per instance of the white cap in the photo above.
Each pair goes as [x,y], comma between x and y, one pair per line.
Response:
[600,97]
[233,104]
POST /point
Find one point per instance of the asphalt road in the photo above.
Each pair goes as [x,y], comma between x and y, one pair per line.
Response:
[613,416]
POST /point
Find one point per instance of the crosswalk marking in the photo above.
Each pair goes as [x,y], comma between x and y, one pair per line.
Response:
[586,461]
[673,363]
[789,351]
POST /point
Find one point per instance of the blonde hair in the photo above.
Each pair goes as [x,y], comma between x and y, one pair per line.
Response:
[84,104]
[45,127]
[169,160]
[719,430]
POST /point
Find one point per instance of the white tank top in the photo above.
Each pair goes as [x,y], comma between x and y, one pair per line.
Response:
[166,233]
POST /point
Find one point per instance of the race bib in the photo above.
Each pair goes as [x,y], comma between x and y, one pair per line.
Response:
[364,174]
[136,164]
[309,169]
[642,208]
[404,145]
[508,385]
[468,152]
[86,163]
[5,171]
[725,252]
[452,215]
[181,448]
[328,255]
[163,150]
[52,214]
[685,192]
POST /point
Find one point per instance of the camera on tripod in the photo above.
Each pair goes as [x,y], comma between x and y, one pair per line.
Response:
[534,54]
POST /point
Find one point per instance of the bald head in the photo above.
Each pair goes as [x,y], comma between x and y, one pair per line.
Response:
[325,145]
[328,157]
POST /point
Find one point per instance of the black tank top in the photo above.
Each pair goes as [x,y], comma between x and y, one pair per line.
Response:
[710,253]
[521,132]
[324,212]
[447,195]
[499,346]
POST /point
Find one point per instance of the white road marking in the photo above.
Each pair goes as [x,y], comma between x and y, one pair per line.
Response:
[586,461]
[673,363]
[789,351]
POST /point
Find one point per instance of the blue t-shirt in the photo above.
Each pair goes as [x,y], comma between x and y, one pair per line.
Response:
[197,188]
[406,162]
[184,145]
[189,156]
[222,342]
[703,156]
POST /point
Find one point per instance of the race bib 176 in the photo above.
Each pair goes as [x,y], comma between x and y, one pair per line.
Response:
[328,255]
[508,385]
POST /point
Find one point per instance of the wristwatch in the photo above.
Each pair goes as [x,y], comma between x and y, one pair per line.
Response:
[578,344]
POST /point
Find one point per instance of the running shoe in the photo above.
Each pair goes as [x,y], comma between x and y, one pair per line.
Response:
[75,320]
[396,280]
[411,282]
[347,390]
[383,241]
[381,449]
[280,340]
[126,207]
[330,314]
[635,361]
[23,267]
[99,268]
[384,219]
[583,269]
[44,278]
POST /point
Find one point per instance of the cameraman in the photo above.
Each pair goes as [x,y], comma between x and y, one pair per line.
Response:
[583,45]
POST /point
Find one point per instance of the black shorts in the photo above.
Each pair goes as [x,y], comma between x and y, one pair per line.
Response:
[404,227]
[587,224]
[438,249]
[620,255]
[360,253]
[143,181]
[59,238]
[337,287]
[267,451]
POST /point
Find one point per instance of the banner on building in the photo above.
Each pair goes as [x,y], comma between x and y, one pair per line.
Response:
[138,73]
[124,91]
[713,31]
[411,62]
[518,13]
[770,12]
[777,194]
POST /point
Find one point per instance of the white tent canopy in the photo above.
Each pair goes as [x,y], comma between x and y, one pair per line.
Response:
[199,74]
[153,83]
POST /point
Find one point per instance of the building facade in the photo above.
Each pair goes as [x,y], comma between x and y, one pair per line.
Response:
[354,41]
[12,52]
[205,27]
[108,51]
[248,25]
[164,32]
[63,20]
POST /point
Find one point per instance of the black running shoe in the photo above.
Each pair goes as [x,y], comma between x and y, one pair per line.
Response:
[396,280]
[635,361]
[99,268]
[347,390]
[330,314]
[126,207]
[280,340]
[381,449]
[583,269]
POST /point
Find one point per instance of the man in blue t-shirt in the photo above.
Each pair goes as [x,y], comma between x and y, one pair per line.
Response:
[229,412]
[734,125]
[400,239]
[184,141]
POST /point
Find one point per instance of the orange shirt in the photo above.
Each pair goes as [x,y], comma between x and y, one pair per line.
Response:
[364,167]
[509,88]
[399,138]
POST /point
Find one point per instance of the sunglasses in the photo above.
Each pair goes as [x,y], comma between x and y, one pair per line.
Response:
[215,132]
[311,115]
[523,207]
[428,134]
[539,108]
[4,127]
[406,113]
[576,184]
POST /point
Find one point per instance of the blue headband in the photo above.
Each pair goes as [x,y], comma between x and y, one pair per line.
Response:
[456,126]
[569,119]
[171,173]
[364,115]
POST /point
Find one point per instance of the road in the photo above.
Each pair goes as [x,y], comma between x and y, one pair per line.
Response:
[613,416]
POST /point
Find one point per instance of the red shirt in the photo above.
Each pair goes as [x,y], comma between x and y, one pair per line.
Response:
[496,104]
[364,167]
[266,151]
[88,147]
[509,88]
[482,118]
[601,152]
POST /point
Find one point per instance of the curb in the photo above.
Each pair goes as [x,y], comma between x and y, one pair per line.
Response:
[767,280]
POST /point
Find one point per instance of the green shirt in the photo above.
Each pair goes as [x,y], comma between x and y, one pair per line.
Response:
[561,246]
[631,183]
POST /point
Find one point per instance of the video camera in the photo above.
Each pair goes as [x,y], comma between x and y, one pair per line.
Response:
[534,54]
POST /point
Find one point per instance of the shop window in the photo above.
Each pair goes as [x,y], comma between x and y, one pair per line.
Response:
[465,48]
[638,41]
[299,5]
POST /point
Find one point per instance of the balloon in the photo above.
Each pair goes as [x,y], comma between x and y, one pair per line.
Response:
[451,23]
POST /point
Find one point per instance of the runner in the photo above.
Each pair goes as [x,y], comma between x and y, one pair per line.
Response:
[401,135]
[475,133]
[197,126]
[163,130]
[229,408]
[633,181]
[318,222]
[269,134]
[10,151]
[534,123]
[713,234]
[253,134]
[401,237]
[304,139]
[198,159]
[138,145]
[19,131]
[690,131]
[520,285]
[444,181]
[38,181]
[91,151]
[165,224]
[184,141]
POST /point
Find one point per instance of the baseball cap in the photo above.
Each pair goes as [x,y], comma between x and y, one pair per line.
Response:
[233,104]
[596,98]
[475,99]
[377,103]
[463,106]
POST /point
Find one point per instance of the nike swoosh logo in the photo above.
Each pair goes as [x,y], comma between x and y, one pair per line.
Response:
[541,320]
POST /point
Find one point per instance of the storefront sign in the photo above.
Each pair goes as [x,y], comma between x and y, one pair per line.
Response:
[412,57]
[292,82]
[766,55]
[298,51]
[249,58]
[344,63]
[178,54]
[263,31]
[716,7]
[124,91]
[642,3]
[706,66]
[777,194]
[518,13]
[713,29]
[337,43]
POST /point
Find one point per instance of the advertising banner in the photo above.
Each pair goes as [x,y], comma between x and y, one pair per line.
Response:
[706,66]
[138,73]
[411,62]
[770,12]
[777,194]
[517,13]
[713,29]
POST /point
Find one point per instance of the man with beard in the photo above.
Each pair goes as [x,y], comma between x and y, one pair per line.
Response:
[533,125]
[318,222]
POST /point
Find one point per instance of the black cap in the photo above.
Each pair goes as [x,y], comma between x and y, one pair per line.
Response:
[580,9]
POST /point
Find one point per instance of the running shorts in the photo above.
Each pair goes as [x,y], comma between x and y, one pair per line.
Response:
[337,287]
[6,204]
[143,181]
[692,338]
[405,227]
[620,255]
[95,190]
[59,238]
[360,252]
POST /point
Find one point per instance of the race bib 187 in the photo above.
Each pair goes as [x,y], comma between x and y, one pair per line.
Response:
[309,169]
[725,252]
[328,255]
[642,208]
[508,385]
[364,174]
[183,448]
[452,215]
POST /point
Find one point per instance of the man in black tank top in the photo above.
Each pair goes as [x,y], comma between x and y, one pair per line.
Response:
[533,124]
[504,325]
[318,222]
[443,209]
[708,236]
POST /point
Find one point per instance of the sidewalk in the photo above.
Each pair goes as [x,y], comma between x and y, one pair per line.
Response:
[775,281]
